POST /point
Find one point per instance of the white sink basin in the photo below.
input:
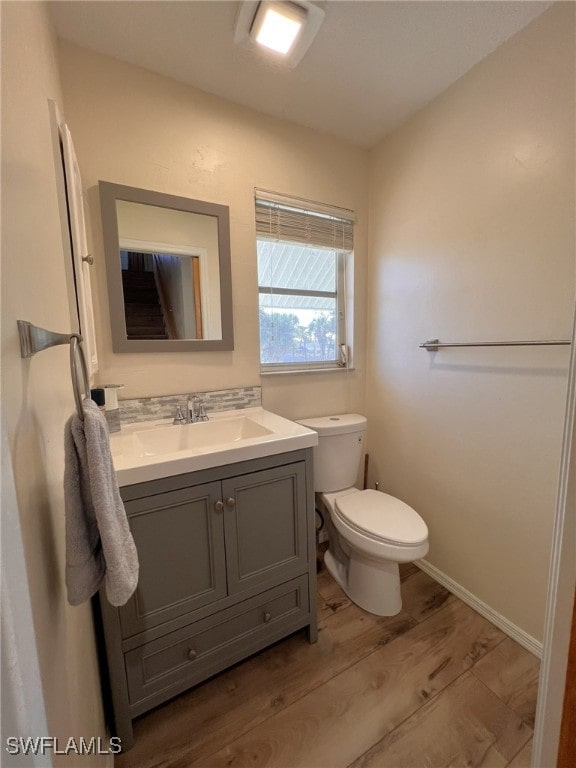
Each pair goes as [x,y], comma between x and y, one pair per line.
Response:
[151,450]
[197,437]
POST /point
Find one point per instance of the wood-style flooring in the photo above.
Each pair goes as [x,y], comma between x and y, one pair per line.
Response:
[437,685]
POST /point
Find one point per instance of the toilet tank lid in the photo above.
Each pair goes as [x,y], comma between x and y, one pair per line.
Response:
[335,425]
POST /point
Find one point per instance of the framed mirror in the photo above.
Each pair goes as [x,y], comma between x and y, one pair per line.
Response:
[168,271]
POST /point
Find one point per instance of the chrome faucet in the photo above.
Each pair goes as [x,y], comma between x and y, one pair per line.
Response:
[196,410]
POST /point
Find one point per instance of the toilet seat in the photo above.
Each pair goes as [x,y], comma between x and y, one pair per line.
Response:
[382,518]
[378,544]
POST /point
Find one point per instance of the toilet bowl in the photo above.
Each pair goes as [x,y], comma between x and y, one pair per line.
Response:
[369,532]
[375,532]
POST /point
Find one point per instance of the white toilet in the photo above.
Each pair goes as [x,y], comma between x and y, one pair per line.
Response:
[369,532]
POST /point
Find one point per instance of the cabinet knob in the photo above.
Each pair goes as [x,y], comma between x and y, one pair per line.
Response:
[192,654]
[230,502]
[266,617]
[89,259]
[219,506]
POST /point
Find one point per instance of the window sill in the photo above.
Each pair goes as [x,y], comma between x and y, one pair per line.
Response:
[288,372]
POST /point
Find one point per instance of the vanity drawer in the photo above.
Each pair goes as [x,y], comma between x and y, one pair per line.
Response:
[164,667]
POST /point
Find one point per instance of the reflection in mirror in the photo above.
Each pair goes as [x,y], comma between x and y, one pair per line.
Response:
[170,272]
[162,297]
[168,267]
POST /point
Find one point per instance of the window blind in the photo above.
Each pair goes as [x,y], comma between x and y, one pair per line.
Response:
[296,220]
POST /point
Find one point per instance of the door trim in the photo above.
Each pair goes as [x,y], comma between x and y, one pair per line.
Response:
[561,585]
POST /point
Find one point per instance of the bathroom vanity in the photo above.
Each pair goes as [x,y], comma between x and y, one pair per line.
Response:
[227,565]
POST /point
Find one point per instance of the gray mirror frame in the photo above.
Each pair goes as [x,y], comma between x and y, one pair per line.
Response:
[109,194]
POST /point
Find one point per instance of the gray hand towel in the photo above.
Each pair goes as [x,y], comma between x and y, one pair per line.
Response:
[99,544]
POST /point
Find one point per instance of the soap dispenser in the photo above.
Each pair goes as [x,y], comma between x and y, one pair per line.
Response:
[111,410]
[97,395]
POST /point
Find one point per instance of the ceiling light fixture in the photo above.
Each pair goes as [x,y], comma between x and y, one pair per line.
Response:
[282,30]
[278,25]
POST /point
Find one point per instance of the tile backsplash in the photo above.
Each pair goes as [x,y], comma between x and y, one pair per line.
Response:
[151,408]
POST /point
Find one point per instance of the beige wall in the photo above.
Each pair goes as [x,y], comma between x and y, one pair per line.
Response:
[133,127]
[472,238]
[36,393]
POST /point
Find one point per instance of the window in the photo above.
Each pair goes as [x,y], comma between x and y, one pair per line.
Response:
[304,252]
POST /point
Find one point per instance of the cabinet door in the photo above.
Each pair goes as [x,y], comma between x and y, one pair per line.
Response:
[265,522]
[179,536]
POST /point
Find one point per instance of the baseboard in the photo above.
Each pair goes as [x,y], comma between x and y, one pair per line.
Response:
[513,631]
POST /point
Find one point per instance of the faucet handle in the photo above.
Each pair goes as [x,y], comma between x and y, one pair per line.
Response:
[179,418]
[196,409]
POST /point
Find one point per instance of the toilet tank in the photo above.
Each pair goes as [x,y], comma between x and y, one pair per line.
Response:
[339,451]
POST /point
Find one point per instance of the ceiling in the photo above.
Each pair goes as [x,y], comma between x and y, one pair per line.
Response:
[373,64]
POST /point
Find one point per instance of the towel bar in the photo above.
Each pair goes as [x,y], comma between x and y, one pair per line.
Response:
[34,339]
[433,345]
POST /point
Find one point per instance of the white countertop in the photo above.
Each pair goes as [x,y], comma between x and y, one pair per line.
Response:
[155,449]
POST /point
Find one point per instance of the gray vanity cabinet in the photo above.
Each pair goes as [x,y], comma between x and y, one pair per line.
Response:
[227,566]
